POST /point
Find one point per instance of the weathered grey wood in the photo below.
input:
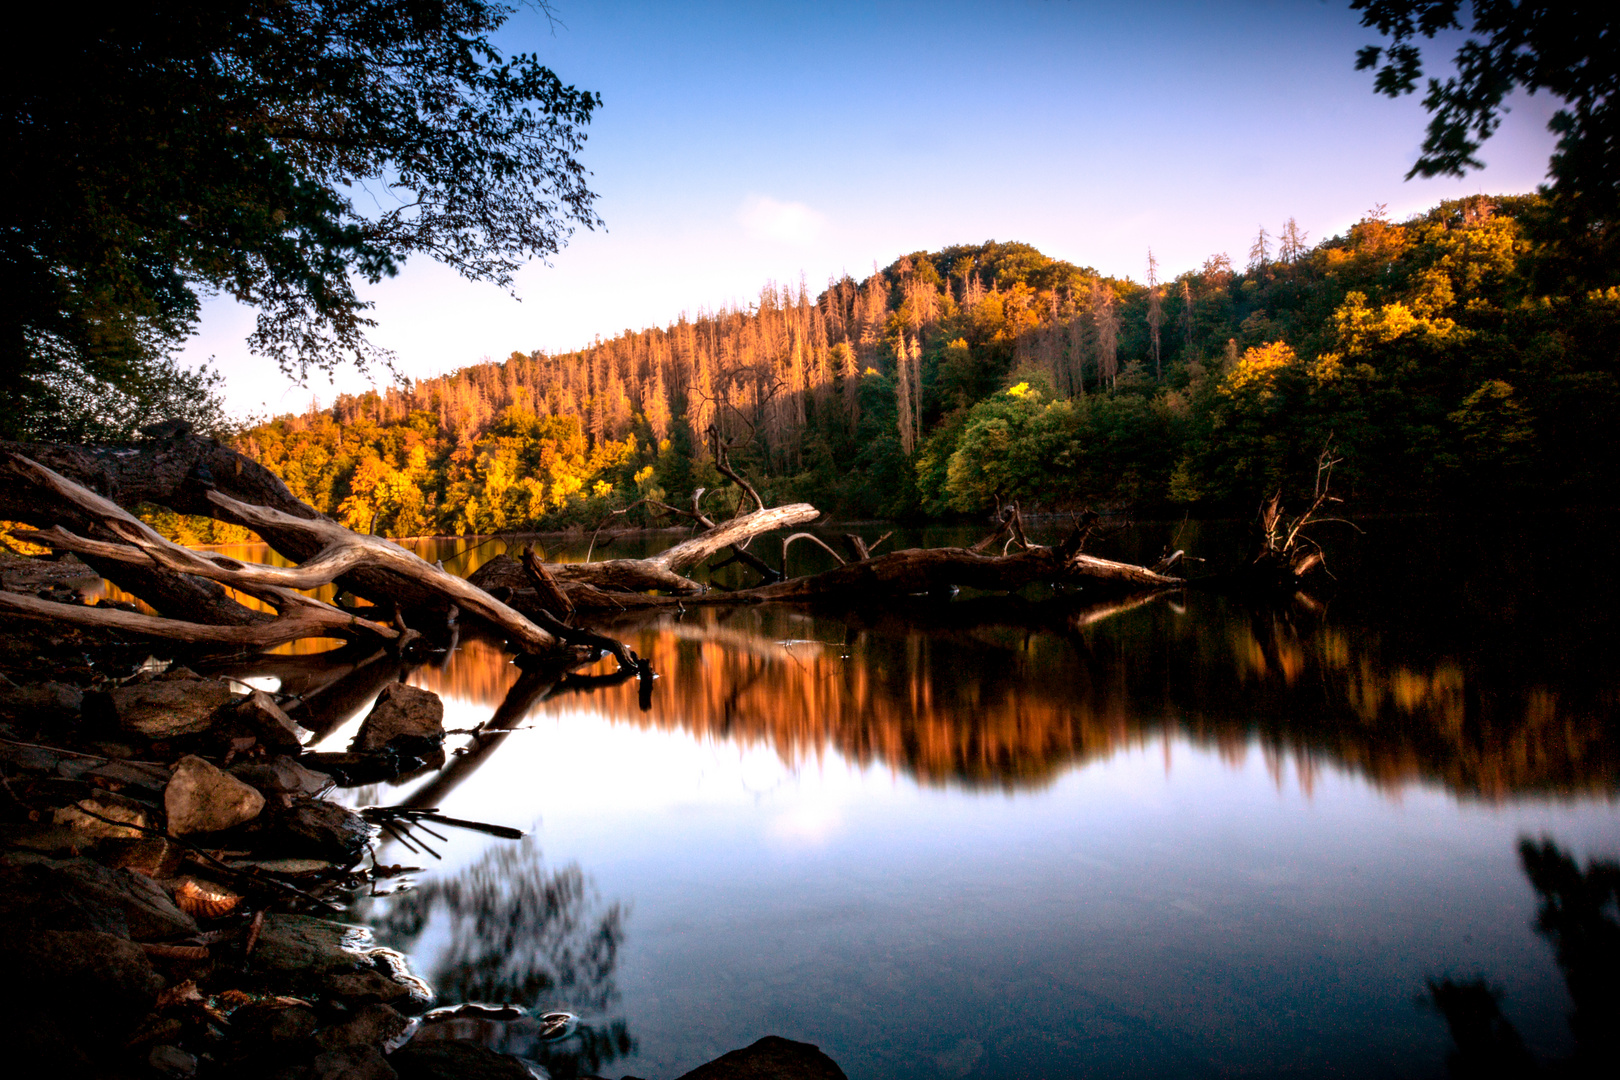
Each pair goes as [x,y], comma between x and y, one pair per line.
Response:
[298,621]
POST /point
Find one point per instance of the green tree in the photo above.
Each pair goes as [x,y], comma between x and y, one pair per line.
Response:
[156,149]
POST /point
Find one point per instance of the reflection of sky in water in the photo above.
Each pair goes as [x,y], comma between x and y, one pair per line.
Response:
[1047,836]
[1164,911]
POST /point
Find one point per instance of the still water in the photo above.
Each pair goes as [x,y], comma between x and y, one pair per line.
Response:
[1040,836]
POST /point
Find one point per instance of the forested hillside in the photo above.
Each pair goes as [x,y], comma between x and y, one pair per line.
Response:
[1467,356]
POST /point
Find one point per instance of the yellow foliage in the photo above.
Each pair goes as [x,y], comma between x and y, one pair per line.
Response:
[1360,327]
[1256,371]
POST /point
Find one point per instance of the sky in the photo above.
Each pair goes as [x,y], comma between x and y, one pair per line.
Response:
[743,143]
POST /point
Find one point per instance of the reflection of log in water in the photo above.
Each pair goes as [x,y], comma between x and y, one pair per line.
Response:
[1009,692]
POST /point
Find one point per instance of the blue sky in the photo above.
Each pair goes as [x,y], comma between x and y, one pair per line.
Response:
[746,142]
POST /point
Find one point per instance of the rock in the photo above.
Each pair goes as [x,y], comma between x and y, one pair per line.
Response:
[169,705]
[771,1058]
[314,829]
[102,974]
[41,700]
[148,911]
[153,856]
[388,981]
[93,818]
[172,1061]
[282,776]
[352,1063]
[456,1061]
[305,955]
[258,715]
[405,717]
[202,799]
[275,1028]
[146,778]
[83,896]
[373,1025]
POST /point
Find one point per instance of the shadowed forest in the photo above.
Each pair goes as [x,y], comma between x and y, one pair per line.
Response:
[1467,355]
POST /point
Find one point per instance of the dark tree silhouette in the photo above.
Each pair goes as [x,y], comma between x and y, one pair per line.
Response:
[273,151]
[1567,49]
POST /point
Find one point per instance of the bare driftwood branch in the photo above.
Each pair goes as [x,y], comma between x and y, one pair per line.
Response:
[341,551]
[814,539]
[545,586]
[291,625]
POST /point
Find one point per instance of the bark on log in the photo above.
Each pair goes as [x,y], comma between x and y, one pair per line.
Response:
[182,474]
[339,552]
[664,571]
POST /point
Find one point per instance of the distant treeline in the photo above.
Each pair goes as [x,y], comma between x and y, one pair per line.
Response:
[1467,356]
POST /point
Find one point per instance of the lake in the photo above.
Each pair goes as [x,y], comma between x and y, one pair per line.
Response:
[1043,835]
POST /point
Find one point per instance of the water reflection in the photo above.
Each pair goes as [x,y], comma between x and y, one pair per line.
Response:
[509,929]
[1579,915]
[1010,692]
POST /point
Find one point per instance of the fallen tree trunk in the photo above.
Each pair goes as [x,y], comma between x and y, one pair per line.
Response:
[184,474]
[340,552]
[900,573]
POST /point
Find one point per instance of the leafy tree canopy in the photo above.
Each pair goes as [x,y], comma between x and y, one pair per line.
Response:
[1568,49]
[273,150]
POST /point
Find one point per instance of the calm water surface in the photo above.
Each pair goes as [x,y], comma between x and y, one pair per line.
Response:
[1038,836]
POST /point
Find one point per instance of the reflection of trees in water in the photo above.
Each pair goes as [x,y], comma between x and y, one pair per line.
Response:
[1008,692]
[1579,913]
[517,932]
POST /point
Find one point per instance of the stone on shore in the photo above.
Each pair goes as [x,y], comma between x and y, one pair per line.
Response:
[410,719]
[178,703]
[201,798]
[102,817]
[771,1058]
[259,715]
[306,955]
[282,776]
[455,1061]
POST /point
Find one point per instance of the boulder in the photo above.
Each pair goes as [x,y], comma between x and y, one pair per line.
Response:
[95,818]
[455,1061]
[82,895]
[50,700]
[372,1025]
[351,1063]
[313,829]
[405,717]
[258,715]
[203,799]
[306,955]
[282,776]
[771,1058]
[169,705]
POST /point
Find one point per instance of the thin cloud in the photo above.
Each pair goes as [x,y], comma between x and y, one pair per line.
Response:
[766,218]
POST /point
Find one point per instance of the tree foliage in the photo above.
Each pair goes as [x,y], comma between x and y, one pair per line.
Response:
[1569,50]
[274,151]
[1439,355]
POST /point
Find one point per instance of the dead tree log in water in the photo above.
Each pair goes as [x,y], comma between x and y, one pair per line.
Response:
[899,573]
[81,499]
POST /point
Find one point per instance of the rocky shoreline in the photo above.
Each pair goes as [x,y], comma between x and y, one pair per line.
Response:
[173,879]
